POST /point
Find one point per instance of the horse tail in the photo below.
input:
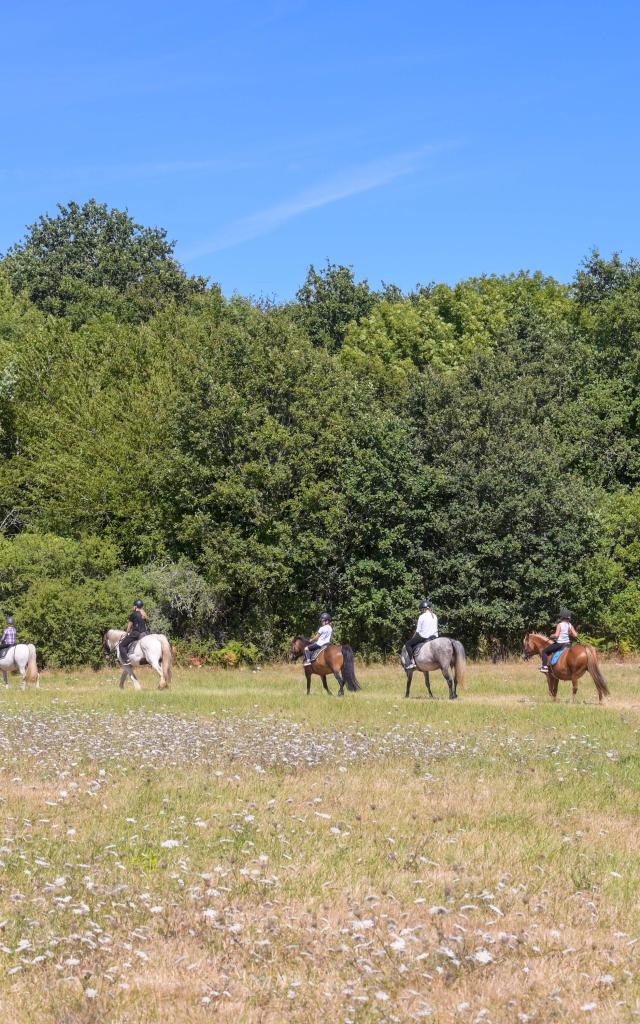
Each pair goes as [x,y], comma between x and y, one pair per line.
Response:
[349,668]
[31,673]
[167,659]
[594,671]
[460,663]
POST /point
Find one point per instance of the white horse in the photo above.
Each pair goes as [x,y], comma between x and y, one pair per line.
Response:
[153,649]
[20,658]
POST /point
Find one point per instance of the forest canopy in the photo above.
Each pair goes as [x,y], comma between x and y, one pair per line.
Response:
[243,465]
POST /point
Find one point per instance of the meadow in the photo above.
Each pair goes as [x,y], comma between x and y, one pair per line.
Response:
[232,850]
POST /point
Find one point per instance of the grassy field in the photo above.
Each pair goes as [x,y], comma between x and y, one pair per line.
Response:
[232,850]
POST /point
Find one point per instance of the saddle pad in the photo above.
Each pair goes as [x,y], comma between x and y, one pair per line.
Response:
[555,657]
[422,647]
[316,654]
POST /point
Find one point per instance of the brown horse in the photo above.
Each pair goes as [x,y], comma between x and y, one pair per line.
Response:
[334,659]
[572,663]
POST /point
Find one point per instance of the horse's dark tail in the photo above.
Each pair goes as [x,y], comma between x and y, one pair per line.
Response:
[460,662]
[349,668]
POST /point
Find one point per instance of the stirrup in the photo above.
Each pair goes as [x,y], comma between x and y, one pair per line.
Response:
[544,668]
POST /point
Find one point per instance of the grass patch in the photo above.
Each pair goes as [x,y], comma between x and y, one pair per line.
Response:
[235,850]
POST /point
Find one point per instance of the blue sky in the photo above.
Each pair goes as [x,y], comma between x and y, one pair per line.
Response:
[416,141]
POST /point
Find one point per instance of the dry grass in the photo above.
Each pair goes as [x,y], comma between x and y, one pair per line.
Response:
[235,851]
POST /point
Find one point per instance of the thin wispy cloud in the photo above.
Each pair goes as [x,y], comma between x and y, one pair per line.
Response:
[352,182]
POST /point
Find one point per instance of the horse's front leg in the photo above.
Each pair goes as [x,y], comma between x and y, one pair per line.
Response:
[124,676]
[5,676]
[409,672]
[427,683]
[134,679]
[340,683]
[552,682]
[307,673]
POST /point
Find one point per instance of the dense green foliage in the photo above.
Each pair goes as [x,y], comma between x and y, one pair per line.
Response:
[242,466]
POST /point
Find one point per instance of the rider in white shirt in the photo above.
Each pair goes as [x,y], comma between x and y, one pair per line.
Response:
[426,628]
[321,638]
[562,636]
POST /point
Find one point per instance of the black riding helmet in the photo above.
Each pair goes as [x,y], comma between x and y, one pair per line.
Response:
[10,620]
[138,604]
[566,614]
[425,605]
[324,618]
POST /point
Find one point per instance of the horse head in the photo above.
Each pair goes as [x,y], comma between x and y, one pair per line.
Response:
[527,650]
[298,645]
[106,644]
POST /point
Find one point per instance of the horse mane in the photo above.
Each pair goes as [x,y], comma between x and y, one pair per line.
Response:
[541,636]
[305,639]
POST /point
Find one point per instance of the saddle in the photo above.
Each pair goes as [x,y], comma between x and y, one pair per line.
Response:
[555,657]
[132,650]
[315,654]
[417,650]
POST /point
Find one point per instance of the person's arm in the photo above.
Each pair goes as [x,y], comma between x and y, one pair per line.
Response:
[556,632]
[573,633]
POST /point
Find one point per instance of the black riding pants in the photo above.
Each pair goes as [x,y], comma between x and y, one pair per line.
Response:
[415,641]
[309,649]
[551,649]
[128,641]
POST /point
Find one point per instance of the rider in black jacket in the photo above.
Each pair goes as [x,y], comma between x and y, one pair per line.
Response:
[137,627]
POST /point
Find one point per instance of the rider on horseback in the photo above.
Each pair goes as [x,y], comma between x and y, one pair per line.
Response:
[426,629]
[320,639]
[9,637]
[137,627]
[562,636]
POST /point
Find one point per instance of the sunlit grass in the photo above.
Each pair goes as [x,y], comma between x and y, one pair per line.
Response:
[235,850]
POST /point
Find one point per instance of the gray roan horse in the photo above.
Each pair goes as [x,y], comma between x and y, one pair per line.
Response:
[153,649]
[441,653]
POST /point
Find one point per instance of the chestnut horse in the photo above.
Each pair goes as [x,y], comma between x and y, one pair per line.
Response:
[334,659]
[572,663]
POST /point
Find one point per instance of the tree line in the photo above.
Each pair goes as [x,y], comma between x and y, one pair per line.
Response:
[242,464]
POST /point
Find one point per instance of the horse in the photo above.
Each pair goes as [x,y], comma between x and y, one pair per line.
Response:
[334,658]
[441,653]
[20,658]
[573,663]
[153,649]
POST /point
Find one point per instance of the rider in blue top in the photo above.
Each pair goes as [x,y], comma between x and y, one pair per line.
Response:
[562,636]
